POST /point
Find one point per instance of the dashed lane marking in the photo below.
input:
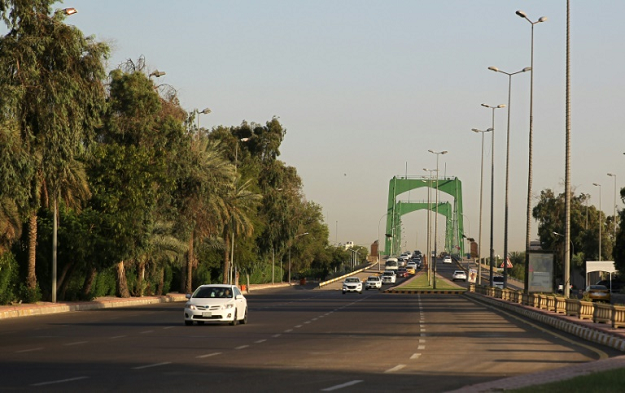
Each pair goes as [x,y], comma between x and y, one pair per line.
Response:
[116,337]
[415,356]
[242,347]
[260,341]
[396,368]
[421,347]
[208,355]
[76,343]
[343,385]
[58,381]
[151,365]
[29,350]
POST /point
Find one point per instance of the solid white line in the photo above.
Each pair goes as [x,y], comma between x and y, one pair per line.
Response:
[114,337]
[343,385]
[242,347]
[208,355]
[396,368]
[59,381]
[29,350]
[76,343]
[259,341]
[151,365]
[415,356]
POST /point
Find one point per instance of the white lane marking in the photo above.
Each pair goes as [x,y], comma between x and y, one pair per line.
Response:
[76,343]
[314,319]
[151,365]
[288,330]
[422,326]
[259,341]
[396,368]
[298,326]
[114,337]
[276,335]
[58,381]
[343,385]
[242,347]
[421,347]
[415,356]
[306,322]
[168,327]
[29,350]
[423,330]
[421,341]
[147,331]
[208,355]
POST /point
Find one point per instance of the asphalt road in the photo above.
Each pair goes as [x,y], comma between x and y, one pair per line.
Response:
[297,339]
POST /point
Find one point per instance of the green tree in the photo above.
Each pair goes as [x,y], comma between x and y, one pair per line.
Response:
[51,81]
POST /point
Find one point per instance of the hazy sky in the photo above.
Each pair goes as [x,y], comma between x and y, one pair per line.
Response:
[365,88]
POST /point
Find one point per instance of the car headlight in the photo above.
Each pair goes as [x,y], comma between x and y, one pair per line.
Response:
[191,307]
[229,305]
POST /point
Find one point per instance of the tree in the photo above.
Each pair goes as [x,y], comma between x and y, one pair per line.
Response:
[51,81]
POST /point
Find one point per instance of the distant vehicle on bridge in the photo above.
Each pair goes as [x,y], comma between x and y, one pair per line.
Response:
[391,264]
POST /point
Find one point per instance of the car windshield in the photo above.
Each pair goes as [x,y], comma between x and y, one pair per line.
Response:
[498,279]
[601,287]
[374,278]
[352,280]
[458,272]
[212,292]
[388,273]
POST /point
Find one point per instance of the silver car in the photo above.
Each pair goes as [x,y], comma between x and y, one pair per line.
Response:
[459,275]
[373,282]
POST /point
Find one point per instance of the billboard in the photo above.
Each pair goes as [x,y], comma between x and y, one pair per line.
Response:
[541,272]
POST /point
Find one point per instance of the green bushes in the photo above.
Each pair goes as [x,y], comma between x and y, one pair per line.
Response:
[8,278]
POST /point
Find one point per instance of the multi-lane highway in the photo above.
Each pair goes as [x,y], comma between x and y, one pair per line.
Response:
[297,340]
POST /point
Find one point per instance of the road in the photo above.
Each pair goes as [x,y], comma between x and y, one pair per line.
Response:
[297,339]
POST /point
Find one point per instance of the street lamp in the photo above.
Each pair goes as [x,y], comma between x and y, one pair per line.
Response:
[600,220]
[438,153]
[531,132]
[505,230]
[567,277]
[614,176]
[296,236]
[205,111]
[479,245]
[492,189]
[236,157]
[428,247]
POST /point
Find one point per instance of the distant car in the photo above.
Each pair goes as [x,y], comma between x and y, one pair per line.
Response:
[215,303]
[411,267]
[459,275]
[389,277]
[498,282]
[600,293]
[402,272]
[447,259]
[352,284]
[373,282]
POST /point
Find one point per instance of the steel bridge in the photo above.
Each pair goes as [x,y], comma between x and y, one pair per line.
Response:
[452,211]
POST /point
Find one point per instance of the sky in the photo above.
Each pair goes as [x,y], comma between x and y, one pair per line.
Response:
[365,88]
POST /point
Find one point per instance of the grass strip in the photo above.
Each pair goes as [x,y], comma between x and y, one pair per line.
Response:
[599,382]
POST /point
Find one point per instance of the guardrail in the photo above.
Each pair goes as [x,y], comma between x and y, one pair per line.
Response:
[324,283]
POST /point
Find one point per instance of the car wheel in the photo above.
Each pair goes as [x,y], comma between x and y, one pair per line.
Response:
[343,292]
[366,289]
[188,323]
[244,320]
[235,321]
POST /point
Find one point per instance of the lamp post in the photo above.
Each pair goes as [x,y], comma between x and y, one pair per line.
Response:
[529,172]
[296,236]
[205,111]
[428,247]
[567,277]
[236,158]
[437,153]
[505,230]
[614,222]
[492,189]
[479,245]
[600,220]
[379,222]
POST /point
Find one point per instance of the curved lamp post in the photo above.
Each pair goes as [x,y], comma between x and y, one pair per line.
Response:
[438,153]
[600,220]
[505,230]
[428,247]
[531,131]
[492,190]
[479,242]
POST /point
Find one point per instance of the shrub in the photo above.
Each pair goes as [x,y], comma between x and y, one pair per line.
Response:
[8,278]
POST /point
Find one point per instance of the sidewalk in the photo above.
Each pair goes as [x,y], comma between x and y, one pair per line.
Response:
[43,308]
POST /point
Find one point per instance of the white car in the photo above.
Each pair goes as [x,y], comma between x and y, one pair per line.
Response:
[216,303]
[389,277]
[447,259]
[373,282]
[352,284]
[459,275]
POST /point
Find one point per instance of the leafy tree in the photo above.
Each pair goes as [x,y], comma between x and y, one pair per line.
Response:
[51,81]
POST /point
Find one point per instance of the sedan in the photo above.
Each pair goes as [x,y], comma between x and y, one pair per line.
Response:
[216,303]
[447,259]
[352,284]
[459,275]
[599,293]
[402,272]
[373,282]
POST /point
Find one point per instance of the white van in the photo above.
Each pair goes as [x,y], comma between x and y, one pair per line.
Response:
[391,264]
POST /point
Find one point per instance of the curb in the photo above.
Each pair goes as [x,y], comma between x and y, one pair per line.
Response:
[585,332]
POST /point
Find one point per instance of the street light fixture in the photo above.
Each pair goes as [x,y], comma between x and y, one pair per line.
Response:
[236,157]
[505,231]
[204,111]
[492,190]
[614,222]
[531,135]
[157,73]
[479,245]
[600,220]
[438,153]
[70,11]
